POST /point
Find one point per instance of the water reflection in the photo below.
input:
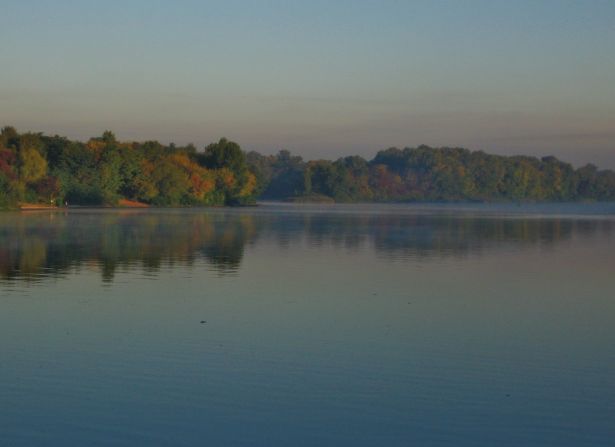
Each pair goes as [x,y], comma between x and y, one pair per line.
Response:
[34,246]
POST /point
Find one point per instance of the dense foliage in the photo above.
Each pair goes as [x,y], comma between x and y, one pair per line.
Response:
[431,174]
[54,170]
[35,168]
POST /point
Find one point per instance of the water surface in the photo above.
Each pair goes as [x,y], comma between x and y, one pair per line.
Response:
[309,326]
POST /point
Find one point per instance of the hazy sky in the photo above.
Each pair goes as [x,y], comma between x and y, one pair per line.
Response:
[320,78]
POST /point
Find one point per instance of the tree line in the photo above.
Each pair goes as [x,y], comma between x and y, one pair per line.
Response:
[54,170]
[429,174]
[36,168]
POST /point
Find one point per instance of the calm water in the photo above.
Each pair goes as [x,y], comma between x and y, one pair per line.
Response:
[309,326]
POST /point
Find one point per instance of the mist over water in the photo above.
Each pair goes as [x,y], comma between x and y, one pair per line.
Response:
[309,325]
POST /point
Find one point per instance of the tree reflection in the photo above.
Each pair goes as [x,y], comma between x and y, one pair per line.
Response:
[40,245]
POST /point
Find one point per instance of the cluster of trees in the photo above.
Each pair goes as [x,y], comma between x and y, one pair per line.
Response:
[102,171]
[54,170]
[430,174]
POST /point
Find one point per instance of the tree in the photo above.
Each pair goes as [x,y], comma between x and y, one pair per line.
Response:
[224,154]
[48,188]
[171,182]
[285,175]
[32,165]
[109,175]
[237,182]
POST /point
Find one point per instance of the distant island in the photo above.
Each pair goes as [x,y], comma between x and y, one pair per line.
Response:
[40,171]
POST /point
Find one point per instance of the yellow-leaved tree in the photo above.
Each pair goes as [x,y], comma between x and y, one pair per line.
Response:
[32,165]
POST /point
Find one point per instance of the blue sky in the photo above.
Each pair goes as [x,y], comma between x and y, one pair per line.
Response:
[320,78]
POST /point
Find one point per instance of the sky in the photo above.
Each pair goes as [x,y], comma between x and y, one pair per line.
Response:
[322,79]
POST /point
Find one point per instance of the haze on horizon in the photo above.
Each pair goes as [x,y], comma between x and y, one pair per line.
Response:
[322,79]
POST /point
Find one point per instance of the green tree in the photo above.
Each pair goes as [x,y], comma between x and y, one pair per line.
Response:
[224,154]
[238,183]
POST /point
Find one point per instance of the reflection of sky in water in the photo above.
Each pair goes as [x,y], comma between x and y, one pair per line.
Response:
[337,328]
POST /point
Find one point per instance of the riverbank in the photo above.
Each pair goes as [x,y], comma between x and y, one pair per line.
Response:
[35,206]
[123,203]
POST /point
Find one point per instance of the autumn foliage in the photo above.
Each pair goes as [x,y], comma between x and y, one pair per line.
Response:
[36,168]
